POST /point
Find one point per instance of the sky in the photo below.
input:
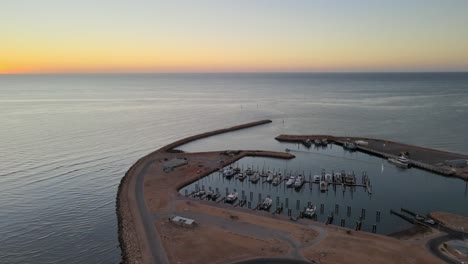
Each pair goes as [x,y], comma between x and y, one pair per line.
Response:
[62,36]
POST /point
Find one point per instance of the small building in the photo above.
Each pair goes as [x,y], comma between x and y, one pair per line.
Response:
[183,220]
[174,163]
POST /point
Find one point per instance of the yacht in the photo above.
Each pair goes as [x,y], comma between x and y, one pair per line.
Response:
[291,181]
[328,178]
[401,161]
[307,143]
[249,171]
[317,178]
[255,177]
[241,176]
[228,172]
[317,142]
[270,176]
[266,204]
[299,181]
[276,180]
[310,211]
[231,197]
[323,186]
[349,145]
[324,142]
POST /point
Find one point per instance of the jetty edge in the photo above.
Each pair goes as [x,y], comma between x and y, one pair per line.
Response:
[428,159]
[129,243]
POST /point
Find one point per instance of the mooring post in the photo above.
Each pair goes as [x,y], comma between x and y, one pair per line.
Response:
[363,213]
[343,222]
[377,216]
[337,208]
[374,228]
[348,212]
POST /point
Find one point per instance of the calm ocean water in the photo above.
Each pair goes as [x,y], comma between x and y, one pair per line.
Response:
[67,140]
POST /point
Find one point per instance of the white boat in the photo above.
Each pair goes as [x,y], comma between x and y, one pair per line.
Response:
[266,204]
[291,181]
[310,211]
[317,142]
[229,172]
[270,176]
[328,178]
[323,186]
[255,177]
[401,161]
[299,182]
[324,142]
[307,143]
[276,180]
[317,178]
[248,172]
[231,197]
[241,176]
[349,145]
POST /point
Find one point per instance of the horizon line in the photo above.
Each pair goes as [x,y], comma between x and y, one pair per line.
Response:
[226,72]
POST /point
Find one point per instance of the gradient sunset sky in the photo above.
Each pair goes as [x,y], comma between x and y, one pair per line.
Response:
[49,36]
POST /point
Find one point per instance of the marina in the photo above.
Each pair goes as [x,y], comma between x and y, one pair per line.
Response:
[350,185]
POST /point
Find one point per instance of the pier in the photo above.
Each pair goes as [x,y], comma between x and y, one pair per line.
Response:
[419,157]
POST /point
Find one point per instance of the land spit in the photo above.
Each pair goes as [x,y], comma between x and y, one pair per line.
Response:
[148,197]
[420,157]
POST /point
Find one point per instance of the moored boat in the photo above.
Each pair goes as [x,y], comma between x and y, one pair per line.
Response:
[266,204]
[291,181]
[323,186]
[348,145]
[310,211]
[401,161]
[299,182]
[255,177]
[231,197]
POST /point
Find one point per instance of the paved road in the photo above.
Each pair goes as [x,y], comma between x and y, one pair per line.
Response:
[433,244]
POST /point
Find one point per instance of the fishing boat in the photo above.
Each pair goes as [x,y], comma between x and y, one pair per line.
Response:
[291,181]
[255,177]
[231,197]
[348,145]
[287,150]
[401,161]
[323,186]
[310,211]
[266,204]
[270,176]
[299,182]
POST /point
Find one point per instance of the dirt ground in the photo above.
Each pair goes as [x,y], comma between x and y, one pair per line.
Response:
[351,247]
[208,244]
[454,221]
